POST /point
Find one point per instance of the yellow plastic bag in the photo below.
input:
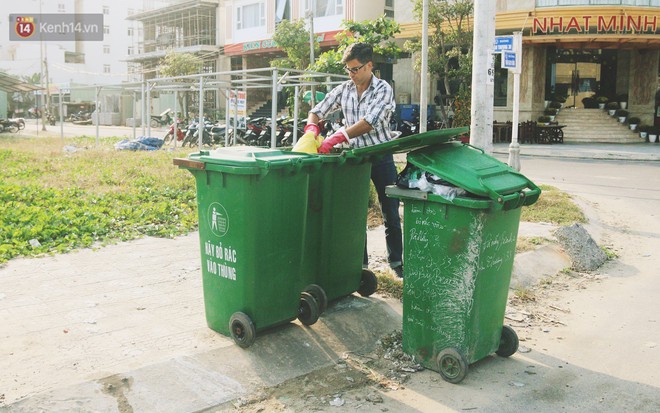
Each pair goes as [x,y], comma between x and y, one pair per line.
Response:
[308,144]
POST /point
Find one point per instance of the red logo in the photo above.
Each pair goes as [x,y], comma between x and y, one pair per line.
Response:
[24,26]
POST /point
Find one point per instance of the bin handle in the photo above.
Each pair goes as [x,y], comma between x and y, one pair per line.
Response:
[189,163]
[519,199]
[474,147]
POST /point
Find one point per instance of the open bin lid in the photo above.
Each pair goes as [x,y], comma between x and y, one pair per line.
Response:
[470,168]
[247,159]
[412,142]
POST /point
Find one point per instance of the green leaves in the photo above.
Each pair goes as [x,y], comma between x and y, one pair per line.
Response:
[51,202]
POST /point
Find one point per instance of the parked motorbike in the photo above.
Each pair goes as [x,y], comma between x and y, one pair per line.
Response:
[8,125]
[20,122]
[82,117]
[180,133]
[161,120]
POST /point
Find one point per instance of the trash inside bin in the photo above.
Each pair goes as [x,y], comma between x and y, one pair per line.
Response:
[252,209]
[458,252]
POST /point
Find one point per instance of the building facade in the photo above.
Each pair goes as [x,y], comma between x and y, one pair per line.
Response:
[578,49]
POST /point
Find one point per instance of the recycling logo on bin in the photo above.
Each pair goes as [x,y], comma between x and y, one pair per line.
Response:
[217,219]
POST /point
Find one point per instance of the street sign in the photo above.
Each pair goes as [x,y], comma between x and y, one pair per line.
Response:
[503,43]
[509,60]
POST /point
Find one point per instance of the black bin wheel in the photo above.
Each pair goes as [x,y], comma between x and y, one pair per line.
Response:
[452,365]
[508,342]
[242,329]
[368,283]
[308,312]
[319,295]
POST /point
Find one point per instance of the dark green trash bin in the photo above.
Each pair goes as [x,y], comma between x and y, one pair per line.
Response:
[337,215]
[459,257]
[252,217]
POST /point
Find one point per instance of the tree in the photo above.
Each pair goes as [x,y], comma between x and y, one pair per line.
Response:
[180,64]
[379,33]
[293,39]
[449,43]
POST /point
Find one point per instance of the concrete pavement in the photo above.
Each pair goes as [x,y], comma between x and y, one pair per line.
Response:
[621,152]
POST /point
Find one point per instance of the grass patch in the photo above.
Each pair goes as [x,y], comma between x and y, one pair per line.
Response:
[388,286]
[553,206]
[611,255]
[67,201]
[530,243]
[524,294]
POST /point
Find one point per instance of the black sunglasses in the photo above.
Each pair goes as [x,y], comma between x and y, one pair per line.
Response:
[354,69]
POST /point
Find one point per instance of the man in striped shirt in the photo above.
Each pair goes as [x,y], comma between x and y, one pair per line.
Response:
[367,104]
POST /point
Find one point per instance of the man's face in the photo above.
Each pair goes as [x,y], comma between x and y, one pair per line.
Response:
[358,72]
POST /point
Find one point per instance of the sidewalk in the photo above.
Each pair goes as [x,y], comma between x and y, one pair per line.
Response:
[629,152]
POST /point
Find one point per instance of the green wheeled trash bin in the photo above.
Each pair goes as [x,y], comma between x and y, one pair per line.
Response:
[336,228]
[252,206]
[459,257]
[337,216]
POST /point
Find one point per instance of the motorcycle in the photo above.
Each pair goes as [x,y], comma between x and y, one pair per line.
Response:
[180,134]
[8,125]
[20,122]
[161,120]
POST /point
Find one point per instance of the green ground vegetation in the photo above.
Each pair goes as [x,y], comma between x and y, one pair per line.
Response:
[553,206]
[54,201]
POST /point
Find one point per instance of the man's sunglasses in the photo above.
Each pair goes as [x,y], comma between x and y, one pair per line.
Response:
[354,69]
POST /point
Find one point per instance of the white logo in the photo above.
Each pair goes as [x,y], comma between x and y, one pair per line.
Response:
[218,220]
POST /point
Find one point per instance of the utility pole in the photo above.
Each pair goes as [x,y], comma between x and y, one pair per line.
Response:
[310,14]
[514,147]
[481,126]
[423,95]
[41,81]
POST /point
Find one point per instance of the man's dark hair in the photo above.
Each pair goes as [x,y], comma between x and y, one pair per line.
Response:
[363,52]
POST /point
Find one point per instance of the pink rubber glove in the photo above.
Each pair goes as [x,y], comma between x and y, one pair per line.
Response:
[337,137]
[312,127]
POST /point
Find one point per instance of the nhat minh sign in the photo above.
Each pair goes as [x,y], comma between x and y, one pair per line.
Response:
[622,24]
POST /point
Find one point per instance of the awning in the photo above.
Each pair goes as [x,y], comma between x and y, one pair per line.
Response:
[12,84]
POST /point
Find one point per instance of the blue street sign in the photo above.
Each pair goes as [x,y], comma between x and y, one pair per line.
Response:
[509,60]
[503,43]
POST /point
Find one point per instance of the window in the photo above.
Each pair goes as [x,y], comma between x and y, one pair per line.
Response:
[106,29]
[130,31]
[131,50]
[323,8]
[389,8]
[61,8]
[106,10]
[106,68]
[282,11]
[106,49]
[251,15]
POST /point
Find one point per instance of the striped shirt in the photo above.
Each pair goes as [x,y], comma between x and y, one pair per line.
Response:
[375,106]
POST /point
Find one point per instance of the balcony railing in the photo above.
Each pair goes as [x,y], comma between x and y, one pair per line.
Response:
[555,3]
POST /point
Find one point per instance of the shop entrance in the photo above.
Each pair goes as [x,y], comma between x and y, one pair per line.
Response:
[577,74]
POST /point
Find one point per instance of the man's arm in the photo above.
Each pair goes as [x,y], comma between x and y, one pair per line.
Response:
[360,128]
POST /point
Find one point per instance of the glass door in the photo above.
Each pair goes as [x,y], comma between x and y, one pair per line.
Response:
[577,81]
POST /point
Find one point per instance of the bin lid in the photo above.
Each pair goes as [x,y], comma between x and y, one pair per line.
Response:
[412,142]
[470,168]
[250,158]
